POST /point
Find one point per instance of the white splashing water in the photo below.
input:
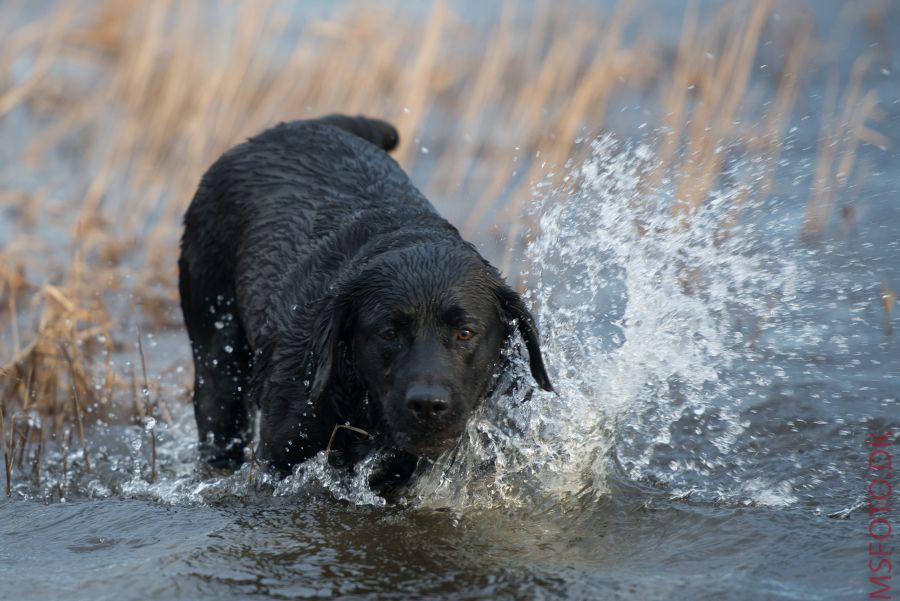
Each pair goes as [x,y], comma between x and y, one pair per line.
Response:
[124,471]
[649,322]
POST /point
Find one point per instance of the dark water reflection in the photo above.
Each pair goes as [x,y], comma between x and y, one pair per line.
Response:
[629,546]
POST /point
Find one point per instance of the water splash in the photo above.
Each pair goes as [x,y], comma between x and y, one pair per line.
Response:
[121,469]
[653,326]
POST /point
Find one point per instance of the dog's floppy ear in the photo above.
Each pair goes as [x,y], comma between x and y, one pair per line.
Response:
[327,341]
[514,309]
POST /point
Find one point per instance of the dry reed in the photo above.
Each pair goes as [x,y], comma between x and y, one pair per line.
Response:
[888,299]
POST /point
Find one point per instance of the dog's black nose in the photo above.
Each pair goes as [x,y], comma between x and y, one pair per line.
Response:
[427,402]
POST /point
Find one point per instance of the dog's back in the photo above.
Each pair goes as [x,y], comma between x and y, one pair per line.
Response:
[292,189]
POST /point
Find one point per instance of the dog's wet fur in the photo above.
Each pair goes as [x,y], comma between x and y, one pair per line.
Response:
[319,285]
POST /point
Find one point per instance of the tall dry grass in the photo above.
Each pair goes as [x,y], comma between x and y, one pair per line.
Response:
[123,105]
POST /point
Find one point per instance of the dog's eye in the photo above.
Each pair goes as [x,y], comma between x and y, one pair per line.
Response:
[464,334]
[389,334]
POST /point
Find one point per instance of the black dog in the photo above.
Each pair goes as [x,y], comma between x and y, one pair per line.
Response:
[319,285]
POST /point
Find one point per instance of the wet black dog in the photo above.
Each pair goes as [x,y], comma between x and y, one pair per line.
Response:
[319,285]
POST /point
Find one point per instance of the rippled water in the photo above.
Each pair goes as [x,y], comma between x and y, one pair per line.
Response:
[707,438]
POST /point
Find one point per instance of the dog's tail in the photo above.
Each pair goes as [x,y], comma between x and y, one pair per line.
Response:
[379,133]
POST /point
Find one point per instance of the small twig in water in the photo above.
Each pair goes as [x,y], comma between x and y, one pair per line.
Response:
[36,463]
[23,441]
[84,451]
[67,439]
[346,427]
[888,298]
[7,452]
[145,392]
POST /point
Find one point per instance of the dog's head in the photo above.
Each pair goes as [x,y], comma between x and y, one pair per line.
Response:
[423,329]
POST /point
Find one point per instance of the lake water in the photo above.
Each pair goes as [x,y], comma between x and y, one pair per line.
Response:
[709,436]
